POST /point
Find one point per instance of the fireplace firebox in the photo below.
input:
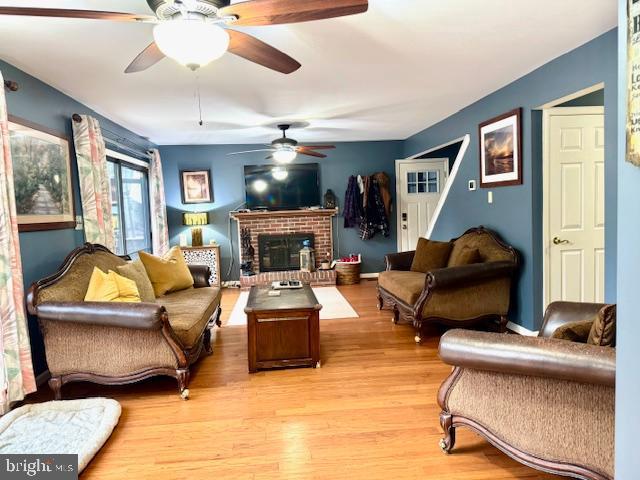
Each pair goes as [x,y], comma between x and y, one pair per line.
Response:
[278,253]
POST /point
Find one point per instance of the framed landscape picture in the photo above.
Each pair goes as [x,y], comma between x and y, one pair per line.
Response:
[501,150]
[196,186]
[41,177]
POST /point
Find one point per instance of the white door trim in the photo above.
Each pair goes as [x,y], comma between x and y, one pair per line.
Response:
[546,116]
[445,191]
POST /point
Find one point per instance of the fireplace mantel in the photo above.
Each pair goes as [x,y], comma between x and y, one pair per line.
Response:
[256,214]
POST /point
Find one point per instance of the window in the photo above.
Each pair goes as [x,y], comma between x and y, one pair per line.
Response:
[130,206]
[423,182]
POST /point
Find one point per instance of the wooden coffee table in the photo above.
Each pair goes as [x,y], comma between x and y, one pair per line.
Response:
[283,331]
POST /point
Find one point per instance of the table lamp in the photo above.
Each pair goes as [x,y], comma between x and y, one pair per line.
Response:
[195,220]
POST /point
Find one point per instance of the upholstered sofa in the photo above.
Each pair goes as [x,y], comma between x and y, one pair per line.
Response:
[117,343]
[459,296]
[546,402]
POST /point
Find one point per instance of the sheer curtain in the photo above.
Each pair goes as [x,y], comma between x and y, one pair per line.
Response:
[158,207]
[16,368]
[94,181]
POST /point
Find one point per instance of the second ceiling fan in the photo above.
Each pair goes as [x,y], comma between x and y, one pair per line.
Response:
[196,32]
[285,149]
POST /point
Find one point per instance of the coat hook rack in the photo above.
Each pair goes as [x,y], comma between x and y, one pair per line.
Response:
[11,85]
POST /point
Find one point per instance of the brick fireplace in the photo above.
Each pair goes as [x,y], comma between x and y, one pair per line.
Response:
[316,224]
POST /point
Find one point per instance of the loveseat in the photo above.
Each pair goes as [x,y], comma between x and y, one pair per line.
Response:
[118,343]
[546,402]
[458,296]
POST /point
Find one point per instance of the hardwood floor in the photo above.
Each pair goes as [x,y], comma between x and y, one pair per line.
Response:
[369,413]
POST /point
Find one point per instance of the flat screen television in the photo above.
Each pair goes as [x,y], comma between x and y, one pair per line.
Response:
[282,187]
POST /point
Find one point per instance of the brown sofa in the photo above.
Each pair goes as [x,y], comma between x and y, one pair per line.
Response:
[117,343]
[459,296]
[546,402]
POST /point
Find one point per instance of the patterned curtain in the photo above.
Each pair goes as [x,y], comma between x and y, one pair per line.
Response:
[159,225]
[94,182]
[16,368]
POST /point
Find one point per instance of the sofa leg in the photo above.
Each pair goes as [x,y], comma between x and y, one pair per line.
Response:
[449,440]
[380,301]
[396,316]
[55,384]
[182,375]
[207,341]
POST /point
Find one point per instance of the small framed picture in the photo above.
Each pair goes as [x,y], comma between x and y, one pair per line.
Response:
[196,186]
[501,150]
[41,177]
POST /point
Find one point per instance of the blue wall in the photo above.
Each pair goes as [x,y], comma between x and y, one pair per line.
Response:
[628,326]
[227,174]
[517,211]
[43,252]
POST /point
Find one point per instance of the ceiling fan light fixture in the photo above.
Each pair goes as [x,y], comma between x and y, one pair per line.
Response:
[285,155]
[193,43]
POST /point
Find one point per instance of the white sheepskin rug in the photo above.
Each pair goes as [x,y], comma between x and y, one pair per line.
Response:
[69,426]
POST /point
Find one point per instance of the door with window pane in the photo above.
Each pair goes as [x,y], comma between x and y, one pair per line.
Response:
[130,207]
[420,185]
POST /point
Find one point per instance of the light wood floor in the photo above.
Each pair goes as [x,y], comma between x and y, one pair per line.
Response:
[369,413]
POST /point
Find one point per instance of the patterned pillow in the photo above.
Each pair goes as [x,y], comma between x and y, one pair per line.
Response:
[603,330]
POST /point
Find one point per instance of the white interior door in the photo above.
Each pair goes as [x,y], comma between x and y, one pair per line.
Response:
[420,185]
[575,205]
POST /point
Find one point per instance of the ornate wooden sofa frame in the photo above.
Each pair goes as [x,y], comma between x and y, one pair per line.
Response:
[460,296]
[114,343]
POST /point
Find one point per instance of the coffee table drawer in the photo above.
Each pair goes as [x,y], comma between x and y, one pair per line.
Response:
[282,338]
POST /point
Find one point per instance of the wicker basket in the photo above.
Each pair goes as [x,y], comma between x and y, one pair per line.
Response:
[348,273]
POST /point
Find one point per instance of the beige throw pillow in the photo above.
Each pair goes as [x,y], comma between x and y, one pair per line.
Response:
[136,272]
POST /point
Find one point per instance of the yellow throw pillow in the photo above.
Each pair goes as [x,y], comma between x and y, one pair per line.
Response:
[169,273]
[110,287]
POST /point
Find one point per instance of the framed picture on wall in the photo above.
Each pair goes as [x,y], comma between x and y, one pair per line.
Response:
[501,150]
[41,177]
[196,186]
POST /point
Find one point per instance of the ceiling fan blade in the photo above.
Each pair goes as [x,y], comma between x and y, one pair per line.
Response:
[147,58]
[311,153]
[271,12]
[252,151]
[256,51]
[319,147]
[68,13]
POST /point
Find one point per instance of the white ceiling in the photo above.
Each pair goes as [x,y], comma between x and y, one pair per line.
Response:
[385,74]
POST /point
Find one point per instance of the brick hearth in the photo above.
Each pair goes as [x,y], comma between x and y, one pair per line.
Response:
[317,222]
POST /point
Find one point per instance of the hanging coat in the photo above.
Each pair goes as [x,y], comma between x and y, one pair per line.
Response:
[353,210]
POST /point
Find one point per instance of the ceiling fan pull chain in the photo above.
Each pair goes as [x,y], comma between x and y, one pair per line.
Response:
[201,123]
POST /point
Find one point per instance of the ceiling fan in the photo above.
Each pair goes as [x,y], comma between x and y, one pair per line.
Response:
[195,32]
[285,149]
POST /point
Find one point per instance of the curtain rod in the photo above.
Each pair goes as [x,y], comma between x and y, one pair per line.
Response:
[119,141]
[11,85]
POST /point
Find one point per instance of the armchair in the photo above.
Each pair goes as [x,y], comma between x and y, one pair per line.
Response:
[458,296]
[547,403]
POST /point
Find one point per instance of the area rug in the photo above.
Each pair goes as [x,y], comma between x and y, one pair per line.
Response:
[334,305]
[69,426]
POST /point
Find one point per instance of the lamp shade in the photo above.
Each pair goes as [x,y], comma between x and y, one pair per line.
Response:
[192,219]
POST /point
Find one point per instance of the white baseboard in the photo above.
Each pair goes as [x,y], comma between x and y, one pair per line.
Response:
[368,275]
[519,329]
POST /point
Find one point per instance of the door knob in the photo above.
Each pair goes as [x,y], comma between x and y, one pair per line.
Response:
[558,241]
